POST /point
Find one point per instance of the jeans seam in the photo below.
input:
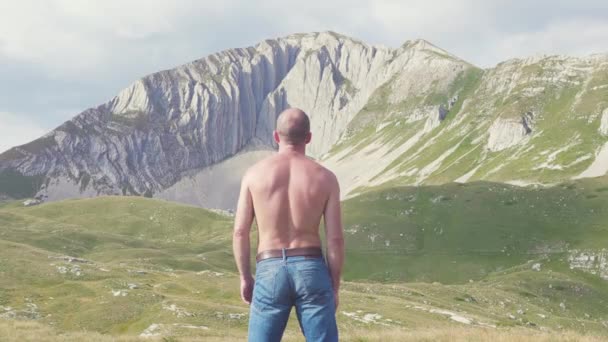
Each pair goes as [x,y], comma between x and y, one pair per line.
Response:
[292,286]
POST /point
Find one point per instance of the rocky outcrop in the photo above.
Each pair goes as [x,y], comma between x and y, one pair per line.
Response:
[505,133]
[604,123]
[599,166]
[591,261]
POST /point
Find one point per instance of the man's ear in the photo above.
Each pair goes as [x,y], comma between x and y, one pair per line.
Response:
[277,139]
[308,137]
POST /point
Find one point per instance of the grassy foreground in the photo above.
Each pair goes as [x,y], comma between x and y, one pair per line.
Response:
[32,331]
[473,262]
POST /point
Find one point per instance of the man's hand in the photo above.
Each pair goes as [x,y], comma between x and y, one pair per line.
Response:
[247,289]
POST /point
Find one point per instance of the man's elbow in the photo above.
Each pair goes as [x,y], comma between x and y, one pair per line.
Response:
[240,234]
[335,242]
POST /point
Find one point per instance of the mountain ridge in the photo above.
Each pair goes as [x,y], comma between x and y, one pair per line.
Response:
[186,119]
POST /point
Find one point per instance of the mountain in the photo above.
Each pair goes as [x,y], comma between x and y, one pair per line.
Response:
[536,120]
[380,116]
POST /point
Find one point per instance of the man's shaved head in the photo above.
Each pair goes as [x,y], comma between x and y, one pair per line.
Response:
[293,126]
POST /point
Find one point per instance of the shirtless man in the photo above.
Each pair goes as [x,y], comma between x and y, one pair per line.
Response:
[287,194]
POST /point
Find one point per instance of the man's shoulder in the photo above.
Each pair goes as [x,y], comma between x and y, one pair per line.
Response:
[331,177]
[323,171]
[259,166]
[327,172]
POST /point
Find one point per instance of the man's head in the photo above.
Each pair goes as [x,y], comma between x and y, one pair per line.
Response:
[293,128]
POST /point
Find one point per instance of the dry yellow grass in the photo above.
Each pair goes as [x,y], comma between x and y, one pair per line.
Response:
[468,334]
[33,331]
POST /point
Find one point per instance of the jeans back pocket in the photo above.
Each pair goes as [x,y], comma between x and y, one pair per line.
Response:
[316,281]
[264,287]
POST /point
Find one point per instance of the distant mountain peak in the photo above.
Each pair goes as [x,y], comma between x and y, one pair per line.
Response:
[415,114]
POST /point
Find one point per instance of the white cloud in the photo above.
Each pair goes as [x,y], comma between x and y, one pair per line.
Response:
[17,130]
[94,38]
[488,32]
[76,37]
[575,37]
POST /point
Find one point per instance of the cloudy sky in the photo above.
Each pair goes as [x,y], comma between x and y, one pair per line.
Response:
[59,57]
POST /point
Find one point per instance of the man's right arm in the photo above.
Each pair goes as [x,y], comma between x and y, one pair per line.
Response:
[334,233]
[241,241]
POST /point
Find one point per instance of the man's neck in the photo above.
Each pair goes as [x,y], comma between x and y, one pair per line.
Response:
[292,149]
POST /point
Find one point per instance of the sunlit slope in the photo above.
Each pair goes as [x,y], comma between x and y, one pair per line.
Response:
[138,261]
[119,229]
[456,232]
[535,120]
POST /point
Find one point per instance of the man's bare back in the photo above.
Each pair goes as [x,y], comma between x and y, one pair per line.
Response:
[289,193]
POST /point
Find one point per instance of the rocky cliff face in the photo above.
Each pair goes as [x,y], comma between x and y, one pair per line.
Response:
[415,114]
[505,133]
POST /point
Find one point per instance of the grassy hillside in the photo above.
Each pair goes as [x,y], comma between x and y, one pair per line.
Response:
[545,112]
[456,232]
[458,256]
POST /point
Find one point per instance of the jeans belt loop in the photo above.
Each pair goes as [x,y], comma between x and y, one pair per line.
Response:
[284,256]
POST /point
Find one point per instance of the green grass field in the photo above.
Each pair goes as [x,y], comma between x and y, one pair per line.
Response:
[456,232]
[479,259]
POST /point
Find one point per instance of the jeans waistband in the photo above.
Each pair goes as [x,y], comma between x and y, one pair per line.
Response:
[288,252]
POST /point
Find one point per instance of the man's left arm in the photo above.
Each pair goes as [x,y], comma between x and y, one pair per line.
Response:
[240,240]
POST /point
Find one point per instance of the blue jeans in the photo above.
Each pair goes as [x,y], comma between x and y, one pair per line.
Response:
[300,281]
